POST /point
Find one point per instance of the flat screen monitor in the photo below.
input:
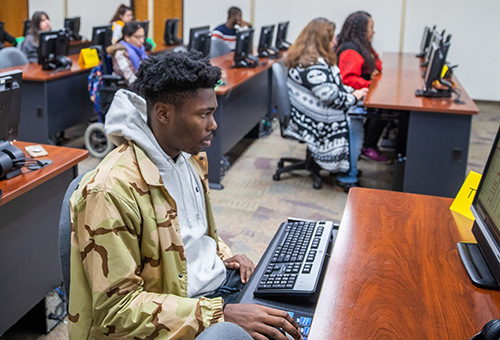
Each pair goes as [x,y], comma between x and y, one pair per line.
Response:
[482,261]
[73,27]
[171,31]
[52,49]
[435,38]
[426,40]
[26,27]
[145,25]
[266,38]
[437,61]
[244,42]
[10,104]
[101,36]
[281,43]
[199,39]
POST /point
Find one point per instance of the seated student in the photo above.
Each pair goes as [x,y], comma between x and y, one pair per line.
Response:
[146,261]
[319,101]
[128,53]
[358,63]
[123,15]
[227,31]
[6,37]
[39,23]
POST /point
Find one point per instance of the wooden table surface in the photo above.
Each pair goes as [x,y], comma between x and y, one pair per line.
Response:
[394,89]
[62,158]
[235,76]
[34,72]
[395,273]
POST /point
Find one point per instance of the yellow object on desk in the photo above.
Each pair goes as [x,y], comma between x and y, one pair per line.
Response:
[88,58]
[465,196]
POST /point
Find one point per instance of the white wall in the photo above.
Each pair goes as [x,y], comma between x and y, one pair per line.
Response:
[474,26]
[53,8]
[93,13]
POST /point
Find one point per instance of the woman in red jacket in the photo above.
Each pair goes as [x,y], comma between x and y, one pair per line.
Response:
[358,63]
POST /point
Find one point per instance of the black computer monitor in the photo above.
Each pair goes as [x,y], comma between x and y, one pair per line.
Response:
[281,43]
[101,36]
[26,27]
[426,41]
[10,104]
[171,32]
[243,51]
[199,39]
[145,25]
[482,260]
[436,37]
[52,50]
[265,42]
[73,27]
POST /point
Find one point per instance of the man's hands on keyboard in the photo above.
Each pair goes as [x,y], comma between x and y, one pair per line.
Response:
[243,263]
[262,322]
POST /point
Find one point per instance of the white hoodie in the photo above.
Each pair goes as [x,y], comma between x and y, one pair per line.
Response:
[127,120]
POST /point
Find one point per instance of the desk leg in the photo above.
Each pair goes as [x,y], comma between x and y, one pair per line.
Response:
[436,153]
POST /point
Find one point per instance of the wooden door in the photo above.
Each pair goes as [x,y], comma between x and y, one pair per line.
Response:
[166,9]
[13,13]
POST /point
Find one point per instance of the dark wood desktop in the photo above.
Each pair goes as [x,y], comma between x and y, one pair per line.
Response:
[29,225]
[434,132]
[395,273]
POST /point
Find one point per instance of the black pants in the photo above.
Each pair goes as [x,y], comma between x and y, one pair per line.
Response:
[230,289]
[374,127]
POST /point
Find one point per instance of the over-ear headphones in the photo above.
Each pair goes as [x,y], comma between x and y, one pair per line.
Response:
[490,331]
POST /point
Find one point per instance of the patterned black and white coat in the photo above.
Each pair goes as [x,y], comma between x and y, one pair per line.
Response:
[319,103]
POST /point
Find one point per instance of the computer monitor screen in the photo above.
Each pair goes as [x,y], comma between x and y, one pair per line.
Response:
[52,45]
[145,25]
[171,31]
[437,61]
[266,38]
[73,27]
[244,42]
[101,35]
[281,42]
[10,104]
[26,27]
[436,38]
[199,39]
[426,38]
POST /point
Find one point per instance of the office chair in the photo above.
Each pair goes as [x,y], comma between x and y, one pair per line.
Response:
[180,49]
[218,47]
[65,234]
[12,56]
[283,109]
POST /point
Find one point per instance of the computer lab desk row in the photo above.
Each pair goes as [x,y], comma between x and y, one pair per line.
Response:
[395,273]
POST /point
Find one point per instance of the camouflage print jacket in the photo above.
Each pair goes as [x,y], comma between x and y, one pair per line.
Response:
[128,267]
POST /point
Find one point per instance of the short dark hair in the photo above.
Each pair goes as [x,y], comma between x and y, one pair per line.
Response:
[130,28]
[233,11]
[174,76]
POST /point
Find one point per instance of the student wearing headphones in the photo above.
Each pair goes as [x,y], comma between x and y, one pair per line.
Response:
[227,32]
[123,15]
[39,23]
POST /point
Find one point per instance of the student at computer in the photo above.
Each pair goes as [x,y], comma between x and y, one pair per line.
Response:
[123,15]
[227,32]
[358,63]
[319,101]
[128,53]
[146,261]
[40,22]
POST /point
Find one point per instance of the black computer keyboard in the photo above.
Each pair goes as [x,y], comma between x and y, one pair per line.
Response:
[295,267]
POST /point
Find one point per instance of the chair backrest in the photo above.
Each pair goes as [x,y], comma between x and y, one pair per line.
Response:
[180,49]
[65,234]
[283,106]
[218,47]
[11,56]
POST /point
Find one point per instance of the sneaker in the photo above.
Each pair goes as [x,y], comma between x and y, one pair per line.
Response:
[341,186]
[374,155]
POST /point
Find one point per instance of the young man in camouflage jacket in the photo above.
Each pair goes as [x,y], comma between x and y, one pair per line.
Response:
[146,261]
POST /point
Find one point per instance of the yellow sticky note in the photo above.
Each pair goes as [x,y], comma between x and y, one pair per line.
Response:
[88,58]
[465,196]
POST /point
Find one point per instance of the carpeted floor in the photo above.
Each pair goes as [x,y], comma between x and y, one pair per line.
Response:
[251,207]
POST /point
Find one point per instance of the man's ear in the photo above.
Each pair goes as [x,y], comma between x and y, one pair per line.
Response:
[163,112]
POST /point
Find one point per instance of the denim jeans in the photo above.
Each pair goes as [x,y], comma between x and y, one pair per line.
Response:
[356,133]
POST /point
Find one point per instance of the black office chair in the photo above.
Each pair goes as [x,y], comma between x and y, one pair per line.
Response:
[65,234]
[283,109]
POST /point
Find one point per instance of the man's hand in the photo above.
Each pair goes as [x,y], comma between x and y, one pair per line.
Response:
[258,320]
[243,263]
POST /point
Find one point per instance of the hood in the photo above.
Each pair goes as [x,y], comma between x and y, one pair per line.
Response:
[112,49]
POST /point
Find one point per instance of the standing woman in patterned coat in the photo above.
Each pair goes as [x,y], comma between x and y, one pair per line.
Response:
[319,101]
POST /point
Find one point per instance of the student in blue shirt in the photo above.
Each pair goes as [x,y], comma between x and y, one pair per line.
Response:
[227,31]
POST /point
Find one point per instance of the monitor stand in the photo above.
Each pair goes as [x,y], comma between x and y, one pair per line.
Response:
[476,266]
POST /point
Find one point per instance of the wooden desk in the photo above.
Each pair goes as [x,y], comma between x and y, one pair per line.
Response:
[52,101]
[30,208]
[395,273]
[243,101]
[434,159]
[162,48]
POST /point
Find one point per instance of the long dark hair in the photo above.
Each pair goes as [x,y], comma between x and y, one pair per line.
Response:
[354,30]
[313,42]
[121,11]
[34,29]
